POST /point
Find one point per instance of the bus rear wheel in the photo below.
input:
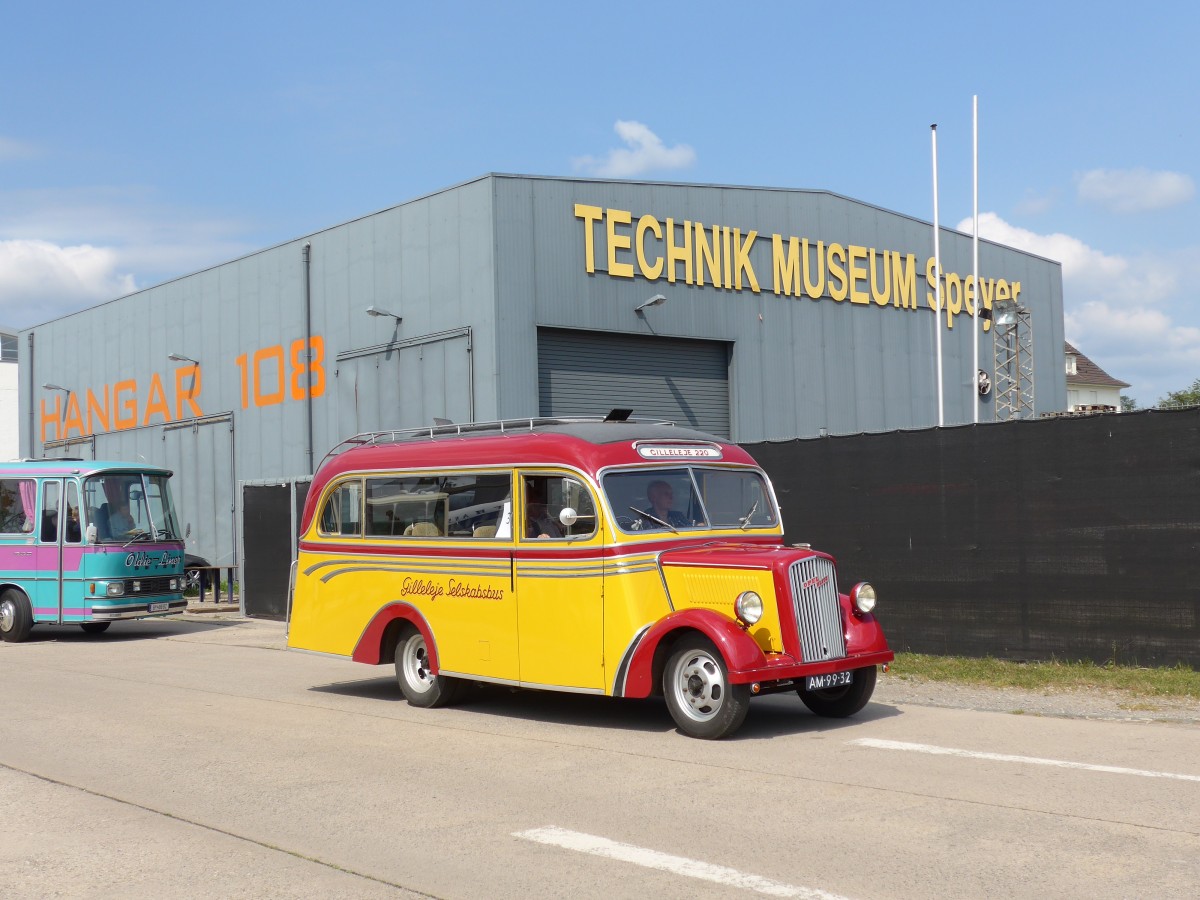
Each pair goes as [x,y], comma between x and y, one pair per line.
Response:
[421,687]
[16,616]
[95,627]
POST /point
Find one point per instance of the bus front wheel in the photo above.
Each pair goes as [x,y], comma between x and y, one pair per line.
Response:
[699,696]
[421,686]
[16,616]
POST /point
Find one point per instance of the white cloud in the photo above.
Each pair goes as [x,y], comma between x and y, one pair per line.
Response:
[1134,190]
[1087,272]
[645,152]
[1123,312]
[40,280]
[62,250]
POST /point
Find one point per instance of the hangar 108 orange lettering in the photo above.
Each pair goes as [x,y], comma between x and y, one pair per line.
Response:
[269,376]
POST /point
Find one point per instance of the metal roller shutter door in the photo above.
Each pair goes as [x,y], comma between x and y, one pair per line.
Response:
[589,373]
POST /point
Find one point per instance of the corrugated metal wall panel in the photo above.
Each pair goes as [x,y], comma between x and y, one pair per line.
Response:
[589,373]
[405,386]
[202,458]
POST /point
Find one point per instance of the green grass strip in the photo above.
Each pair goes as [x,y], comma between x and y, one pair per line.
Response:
[1177,681]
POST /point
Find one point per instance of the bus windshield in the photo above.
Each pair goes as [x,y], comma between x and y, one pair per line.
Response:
[688,498]
[129,506]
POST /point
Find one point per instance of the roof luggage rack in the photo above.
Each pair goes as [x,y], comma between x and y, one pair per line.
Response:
[443,428]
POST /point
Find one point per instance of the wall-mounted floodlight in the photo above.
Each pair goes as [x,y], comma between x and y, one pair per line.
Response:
[376,311]
[1004,312]
[653,301]
[179,357]
[56,387]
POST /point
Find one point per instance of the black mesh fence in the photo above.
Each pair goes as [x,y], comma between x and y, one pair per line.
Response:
[266,521]
[1068,538]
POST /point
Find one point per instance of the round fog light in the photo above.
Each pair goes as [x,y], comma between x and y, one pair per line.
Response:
[748,607]
[863,597]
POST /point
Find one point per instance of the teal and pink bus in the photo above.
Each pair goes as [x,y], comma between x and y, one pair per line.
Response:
[86,543]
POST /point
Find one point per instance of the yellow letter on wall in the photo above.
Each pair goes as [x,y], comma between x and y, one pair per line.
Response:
[857,273]
[837,262]
[881,297]
[741,252]
[786,266]
[681,254]
[904,281]
[618,242]
[814,289]
[590,215]
[648,223]
[710,254]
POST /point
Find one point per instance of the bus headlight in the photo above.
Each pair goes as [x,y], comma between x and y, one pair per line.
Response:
[748,607]
[862,595]
[115,589]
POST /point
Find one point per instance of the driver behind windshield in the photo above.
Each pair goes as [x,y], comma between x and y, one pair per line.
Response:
[661,496]
[119,520]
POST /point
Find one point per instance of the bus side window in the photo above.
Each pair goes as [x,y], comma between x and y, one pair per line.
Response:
[342,514]
[50,504]
[73,533]
[17,505]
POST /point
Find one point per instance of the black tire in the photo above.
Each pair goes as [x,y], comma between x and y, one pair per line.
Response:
[840,702]
[421,687]
[191,579]
[16,616]
[696,684]
[95,627]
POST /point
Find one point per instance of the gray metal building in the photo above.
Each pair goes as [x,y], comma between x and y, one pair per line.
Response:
[784,313]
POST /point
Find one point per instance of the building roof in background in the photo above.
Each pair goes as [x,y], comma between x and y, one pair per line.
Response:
[1087,372]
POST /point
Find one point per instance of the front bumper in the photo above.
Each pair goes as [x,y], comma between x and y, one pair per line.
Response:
[782,667]
[143,608]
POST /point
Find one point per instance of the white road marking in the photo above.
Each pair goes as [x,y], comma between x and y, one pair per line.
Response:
[1004,757]
[678,865]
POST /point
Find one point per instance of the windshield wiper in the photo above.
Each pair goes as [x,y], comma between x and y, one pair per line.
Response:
[137,536]
[745,522]
[653,518]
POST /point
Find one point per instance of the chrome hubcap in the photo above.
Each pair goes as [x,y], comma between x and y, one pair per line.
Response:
[699,685]
[7,614]
[416,664]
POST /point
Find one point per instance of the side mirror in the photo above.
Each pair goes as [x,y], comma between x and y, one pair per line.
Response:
[91,533]
[568,516]
[188,532]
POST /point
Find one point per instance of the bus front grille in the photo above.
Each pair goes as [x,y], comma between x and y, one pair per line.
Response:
[818,612]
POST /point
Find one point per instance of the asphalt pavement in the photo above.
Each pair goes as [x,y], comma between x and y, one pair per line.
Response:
[194,757]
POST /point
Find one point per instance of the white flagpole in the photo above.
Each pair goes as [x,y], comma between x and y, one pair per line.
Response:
[937,270]
[975,251]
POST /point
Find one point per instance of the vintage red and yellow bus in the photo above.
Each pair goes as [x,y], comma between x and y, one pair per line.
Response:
[612,557]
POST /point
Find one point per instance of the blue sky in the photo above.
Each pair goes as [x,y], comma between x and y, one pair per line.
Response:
[142,141]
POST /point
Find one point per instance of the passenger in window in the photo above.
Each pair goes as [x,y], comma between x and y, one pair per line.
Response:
[74,535]
[662,497]
[539,523]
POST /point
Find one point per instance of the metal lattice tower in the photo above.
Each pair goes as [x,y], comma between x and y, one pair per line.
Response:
[1014,368]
